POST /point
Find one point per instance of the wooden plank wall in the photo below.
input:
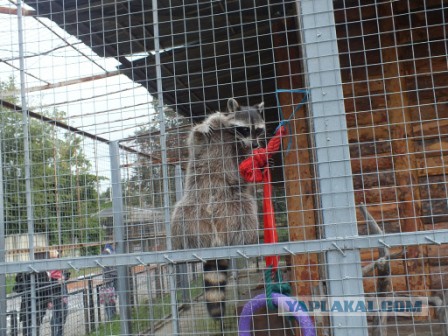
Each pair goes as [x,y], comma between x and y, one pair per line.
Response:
[298,172]
[394,71]
[394,77]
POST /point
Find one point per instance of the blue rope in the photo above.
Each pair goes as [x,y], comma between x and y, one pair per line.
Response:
[273,279]
[285,122]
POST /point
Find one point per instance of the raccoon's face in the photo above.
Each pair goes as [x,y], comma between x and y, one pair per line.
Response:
[247,124]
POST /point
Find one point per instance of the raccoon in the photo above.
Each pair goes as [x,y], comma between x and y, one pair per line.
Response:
[218,208]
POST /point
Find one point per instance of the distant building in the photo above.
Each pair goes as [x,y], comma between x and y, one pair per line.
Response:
[17,246]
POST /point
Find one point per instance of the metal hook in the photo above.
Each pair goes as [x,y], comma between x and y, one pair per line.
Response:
[198,257]
[338,248]
[99,264]
[382,242]
[289,251]
[72,266]
[432,240]
[169,259]
[242,254]
[141,261]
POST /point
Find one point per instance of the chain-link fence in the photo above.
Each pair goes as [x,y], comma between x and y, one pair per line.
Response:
[130,208]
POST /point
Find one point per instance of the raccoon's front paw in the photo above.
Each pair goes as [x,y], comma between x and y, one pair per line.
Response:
[204,129]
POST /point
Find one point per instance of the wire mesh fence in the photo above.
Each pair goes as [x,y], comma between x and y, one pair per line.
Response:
[314,203]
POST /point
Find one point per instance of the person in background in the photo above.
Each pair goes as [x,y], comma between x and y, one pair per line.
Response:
[59,298]
[108,295]
[23,285]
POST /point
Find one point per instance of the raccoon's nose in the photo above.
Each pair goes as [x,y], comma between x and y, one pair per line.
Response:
[255,144]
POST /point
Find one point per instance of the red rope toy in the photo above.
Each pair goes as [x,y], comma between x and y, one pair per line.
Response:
[256,169]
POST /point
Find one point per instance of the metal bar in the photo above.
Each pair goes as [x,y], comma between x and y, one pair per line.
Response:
[150,301]
[98,305]
[63,83]
[3,298]
[91,307]
[72,129]
[14,11]
[181,269]
[119,237]
[178,179]
[71,45]
[344,273]
[26,140]
[27,168]
[163,149]
[85,300]
[284,248]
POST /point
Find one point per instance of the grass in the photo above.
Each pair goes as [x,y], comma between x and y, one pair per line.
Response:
[204,325]
[10,281]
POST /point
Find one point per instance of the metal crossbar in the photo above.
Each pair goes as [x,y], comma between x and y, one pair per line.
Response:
[433,237]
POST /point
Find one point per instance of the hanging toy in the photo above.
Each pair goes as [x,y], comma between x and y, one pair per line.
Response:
[258,302]
[255,169]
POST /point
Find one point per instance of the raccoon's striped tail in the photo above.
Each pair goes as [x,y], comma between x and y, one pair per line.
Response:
[215,281]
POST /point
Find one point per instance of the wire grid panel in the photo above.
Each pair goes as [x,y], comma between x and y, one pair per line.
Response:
[77,76]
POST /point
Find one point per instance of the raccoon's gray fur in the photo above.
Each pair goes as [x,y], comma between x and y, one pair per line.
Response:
[218,207]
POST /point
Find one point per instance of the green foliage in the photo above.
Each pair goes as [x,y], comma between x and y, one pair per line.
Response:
[90,250]
[10,282]
[64,192]
[144,187]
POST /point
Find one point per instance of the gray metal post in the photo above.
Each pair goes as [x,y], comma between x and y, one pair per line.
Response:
[119,236]
[332,156]
[178,181]
[3,298]
[150,302]
[166,195]
[181,269]
[26,140]
[27,163]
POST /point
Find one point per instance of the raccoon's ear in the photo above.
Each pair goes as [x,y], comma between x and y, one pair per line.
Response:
[261,107]
[232,105]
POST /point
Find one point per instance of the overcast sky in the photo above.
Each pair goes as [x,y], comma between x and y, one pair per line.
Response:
[68,63]
[116,106]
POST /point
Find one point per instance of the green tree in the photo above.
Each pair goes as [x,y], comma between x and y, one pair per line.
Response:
[64,192]
[144,186]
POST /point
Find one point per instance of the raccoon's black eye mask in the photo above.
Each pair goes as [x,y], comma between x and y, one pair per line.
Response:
[246,132]
[259,132]
[243,131]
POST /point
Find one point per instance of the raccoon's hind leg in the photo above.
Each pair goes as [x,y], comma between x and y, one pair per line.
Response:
[215,281]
